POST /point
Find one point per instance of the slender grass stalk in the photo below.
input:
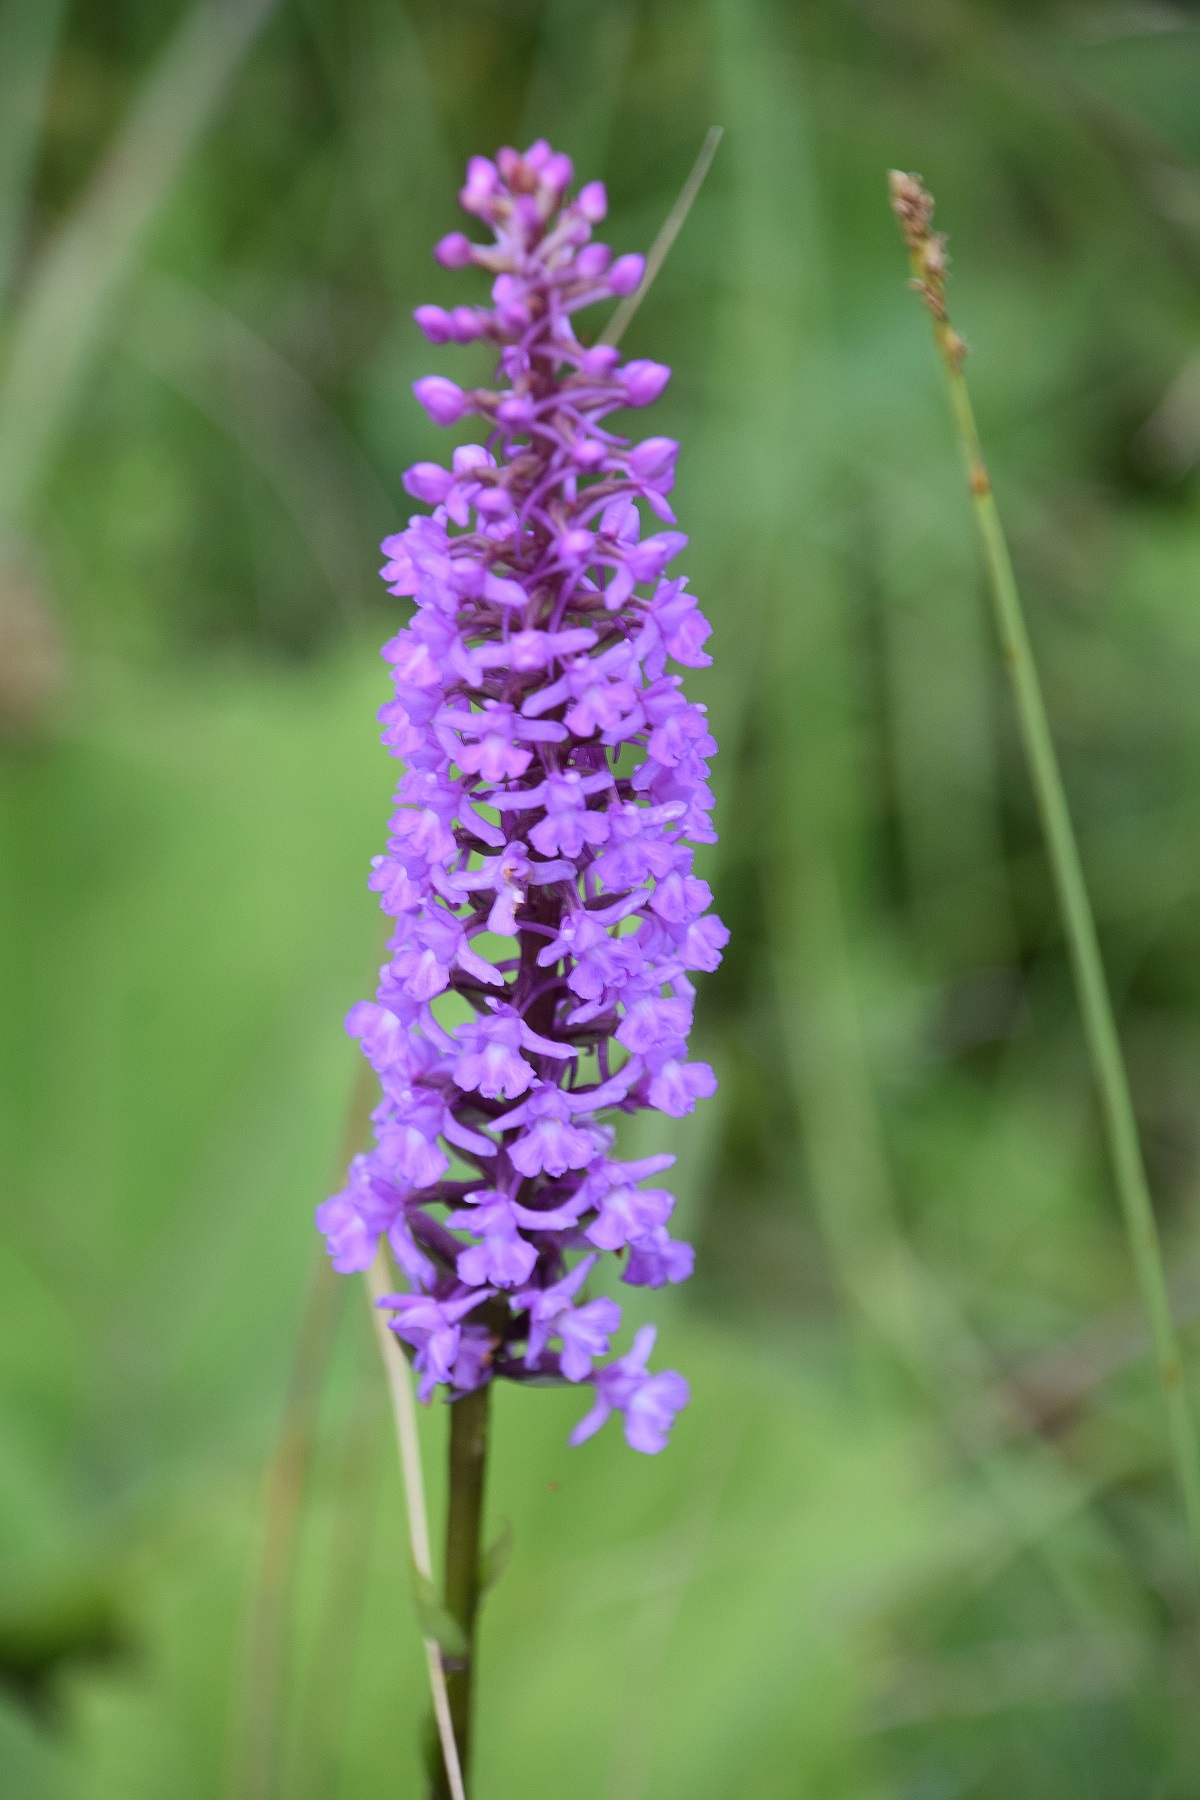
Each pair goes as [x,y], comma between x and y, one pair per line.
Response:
[254,1764]
[381,1281]
[259,1718]
[329,1677]
[672,225]
[264,405]
[28,41]
[75,284]
[927,253]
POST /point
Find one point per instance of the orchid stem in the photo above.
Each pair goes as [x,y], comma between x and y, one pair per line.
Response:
[914,207]
[464,1528]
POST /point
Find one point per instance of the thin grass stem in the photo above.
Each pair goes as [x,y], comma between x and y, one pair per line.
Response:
[73,288]
[380,1281]
[914,207]
[660,249]
[254,1764]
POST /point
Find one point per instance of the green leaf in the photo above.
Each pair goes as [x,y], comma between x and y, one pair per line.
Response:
[494,1560]
[434,1620]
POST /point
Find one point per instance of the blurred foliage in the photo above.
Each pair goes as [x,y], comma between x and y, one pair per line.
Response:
[917,1536]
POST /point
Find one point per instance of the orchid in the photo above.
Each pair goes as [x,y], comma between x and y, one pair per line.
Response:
[554,788]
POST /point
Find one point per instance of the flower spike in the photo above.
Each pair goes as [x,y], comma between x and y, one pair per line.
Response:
[539,862]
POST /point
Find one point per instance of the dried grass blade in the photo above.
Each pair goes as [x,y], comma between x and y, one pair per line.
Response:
[380,1281]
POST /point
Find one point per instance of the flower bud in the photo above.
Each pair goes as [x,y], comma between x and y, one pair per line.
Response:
[591,263]
[573,545]
[481,186]
[600,360]
[526,213]
[443,400]
[653,554]
[516,412]
[644,381]
[592,202]
[512,303]
[428,481]
[435,323]
[454,251]
[654,456]
[465,325]
[588,453]
[470,457]
[625,274]
[557,173]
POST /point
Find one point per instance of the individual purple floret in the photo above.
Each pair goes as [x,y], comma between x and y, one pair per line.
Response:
[547,922]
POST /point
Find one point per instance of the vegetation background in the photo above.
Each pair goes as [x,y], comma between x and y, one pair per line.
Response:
[917,1536]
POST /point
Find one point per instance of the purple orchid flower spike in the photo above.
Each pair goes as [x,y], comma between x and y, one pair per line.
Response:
[538,865]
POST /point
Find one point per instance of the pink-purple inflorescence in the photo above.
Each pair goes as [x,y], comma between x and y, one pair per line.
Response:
[539,871]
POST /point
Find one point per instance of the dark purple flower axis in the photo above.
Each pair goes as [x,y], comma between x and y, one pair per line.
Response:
[555,778]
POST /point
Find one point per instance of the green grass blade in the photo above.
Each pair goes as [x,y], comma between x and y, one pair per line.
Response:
[72,290]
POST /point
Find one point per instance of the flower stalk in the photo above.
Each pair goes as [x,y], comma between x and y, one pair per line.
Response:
[913,206]
[464,1553]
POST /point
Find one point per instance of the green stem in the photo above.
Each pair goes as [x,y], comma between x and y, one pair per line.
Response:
[1099,1024]
[464,1532]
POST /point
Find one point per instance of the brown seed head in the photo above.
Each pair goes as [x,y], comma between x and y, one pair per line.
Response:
[912,205]
[937,256]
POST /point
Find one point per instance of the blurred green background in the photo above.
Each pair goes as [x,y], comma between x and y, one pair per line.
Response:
[917,1536]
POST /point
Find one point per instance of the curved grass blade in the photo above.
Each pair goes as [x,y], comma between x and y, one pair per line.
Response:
[64,310]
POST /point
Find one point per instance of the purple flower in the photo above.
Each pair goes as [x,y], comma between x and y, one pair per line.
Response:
[428,948]
[503,1258]
[656,1258]
[648,1402]
[489,1058]
[353,1220]
[507,876]
[627,1214]
[676,1086]
[539,858]
[584,1330]
[550,1144]
[434,1329]
[569,825]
